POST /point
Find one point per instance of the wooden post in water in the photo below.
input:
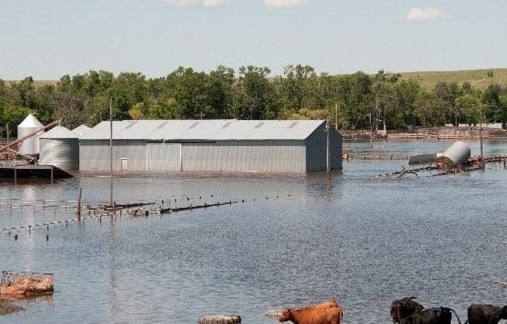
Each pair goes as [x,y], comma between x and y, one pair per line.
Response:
[328,162]
[482,155]
[78,211]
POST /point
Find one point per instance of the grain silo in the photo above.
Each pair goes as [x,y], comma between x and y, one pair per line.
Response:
[60,147]
[30,125]
[81,130]
[457,154]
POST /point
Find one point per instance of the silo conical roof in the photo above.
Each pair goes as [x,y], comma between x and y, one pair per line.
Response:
[81,130]
[30,121]
[59,132]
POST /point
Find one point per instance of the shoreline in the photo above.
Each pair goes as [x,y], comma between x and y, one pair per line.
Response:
[426,133]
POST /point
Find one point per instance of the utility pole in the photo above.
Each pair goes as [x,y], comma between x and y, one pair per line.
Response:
[111,152]
[328,162]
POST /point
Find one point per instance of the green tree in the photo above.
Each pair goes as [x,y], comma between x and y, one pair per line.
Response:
[471,107]
[493,107]
[255,96]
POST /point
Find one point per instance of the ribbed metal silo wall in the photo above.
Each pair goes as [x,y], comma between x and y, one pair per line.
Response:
[29,146]
[62,153]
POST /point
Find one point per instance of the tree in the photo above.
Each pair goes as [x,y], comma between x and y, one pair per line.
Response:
[493,107]
[220,90]
[471,107]
[358,100]
[255,96]
[403,104]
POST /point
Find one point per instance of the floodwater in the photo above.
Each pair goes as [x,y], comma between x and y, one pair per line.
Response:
[285,240]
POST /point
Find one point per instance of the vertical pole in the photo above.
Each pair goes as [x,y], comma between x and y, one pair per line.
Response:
[111,151]
[336,116]
[328,167]
[371,132]
[78,211]
[482,155]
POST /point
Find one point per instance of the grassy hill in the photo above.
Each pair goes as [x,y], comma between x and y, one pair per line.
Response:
[479,79]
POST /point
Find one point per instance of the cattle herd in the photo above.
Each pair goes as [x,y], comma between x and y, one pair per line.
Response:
[403,311]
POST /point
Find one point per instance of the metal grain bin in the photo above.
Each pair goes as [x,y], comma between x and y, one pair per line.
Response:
[30,146]
[60,147]
[457,154]
[81,130]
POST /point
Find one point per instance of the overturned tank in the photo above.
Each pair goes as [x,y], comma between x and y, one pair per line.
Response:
[457,154]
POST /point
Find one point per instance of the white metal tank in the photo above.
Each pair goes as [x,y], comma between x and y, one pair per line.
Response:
[59,147]
[30,146]
[457,154]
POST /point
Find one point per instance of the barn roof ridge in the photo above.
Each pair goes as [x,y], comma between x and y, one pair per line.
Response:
[209,129]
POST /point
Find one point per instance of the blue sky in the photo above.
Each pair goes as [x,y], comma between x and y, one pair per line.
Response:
[47,39]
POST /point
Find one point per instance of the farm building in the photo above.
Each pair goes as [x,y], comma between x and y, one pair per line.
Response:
[291,146]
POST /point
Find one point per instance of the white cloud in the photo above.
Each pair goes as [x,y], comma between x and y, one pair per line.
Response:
[201,3]
[424,14]
[285,3]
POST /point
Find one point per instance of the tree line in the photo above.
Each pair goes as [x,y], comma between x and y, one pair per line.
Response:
[350,102]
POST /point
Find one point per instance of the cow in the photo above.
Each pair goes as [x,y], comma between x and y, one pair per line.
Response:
[404,307]
[434,315]
[485,314]
[326,312]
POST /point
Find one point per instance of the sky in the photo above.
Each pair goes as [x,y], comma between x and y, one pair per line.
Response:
[47,39]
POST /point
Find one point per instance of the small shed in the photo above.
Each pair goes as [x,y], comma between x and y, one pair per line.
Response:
[59,147]
[272,146]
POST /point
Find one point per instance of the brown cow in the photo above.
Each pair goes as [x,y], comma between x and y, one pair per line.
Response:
[404,307]
[486,314]
[326,312]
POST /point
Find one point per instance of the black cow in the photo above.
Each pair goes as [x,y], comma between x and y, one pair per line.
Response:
[434,315]
[486,314]
[404,307]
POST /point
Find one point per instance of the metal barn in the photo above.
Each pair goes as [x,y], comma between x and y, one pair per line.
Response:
[289,146]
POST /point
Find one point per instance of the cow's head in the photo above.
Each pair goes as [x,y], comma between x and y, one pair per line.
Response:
[284,315]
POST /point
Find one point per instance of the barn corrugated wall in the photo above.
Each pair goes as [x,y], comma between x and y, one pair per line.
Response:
[95,155]
[244,156]
[316,150]
[163,157]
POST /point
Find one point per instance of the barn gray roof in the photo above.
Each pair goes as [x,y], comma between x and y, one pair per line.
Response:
[221,129]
